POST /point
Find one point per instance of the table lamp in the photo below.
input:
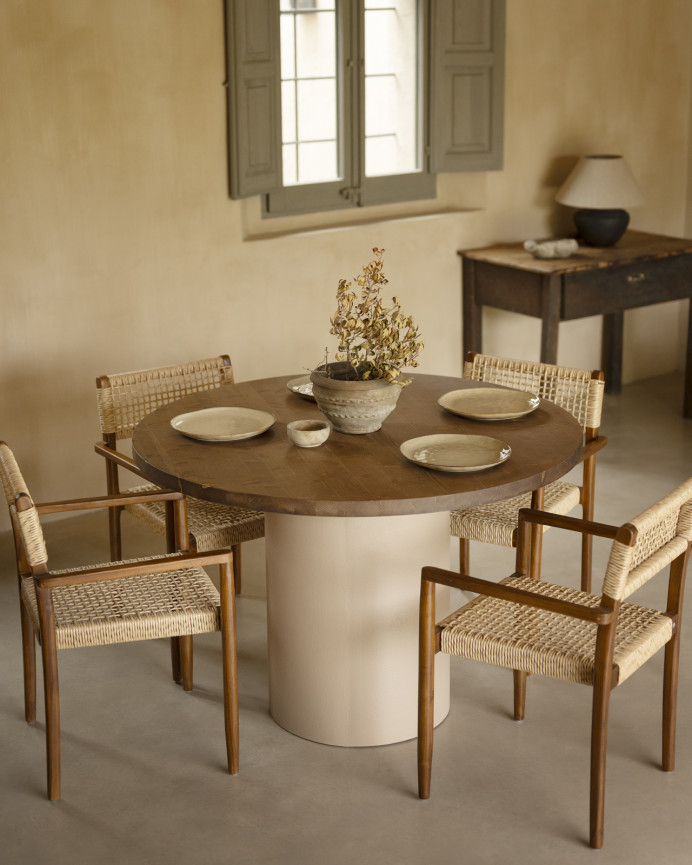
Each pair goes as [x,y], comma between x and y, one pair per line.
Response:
[600,186]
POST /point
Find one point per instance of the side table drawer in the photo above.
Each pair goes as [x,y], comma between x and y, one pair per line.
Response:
[611,289]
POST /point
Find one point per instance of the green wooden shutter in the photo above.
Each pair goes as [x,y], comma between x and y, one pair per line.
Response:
[466,85]
[254,96]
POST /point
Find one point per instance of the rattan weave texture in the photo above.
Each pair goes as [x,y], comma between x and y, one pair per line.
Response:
[657,544]
[496,523]
[145,607]
[572,389]
[131,396]
[549,644]
[212,526]
[12,480]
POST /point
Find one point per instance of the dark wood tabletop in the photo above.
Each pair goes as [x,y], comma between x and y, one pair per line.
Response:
[350,475]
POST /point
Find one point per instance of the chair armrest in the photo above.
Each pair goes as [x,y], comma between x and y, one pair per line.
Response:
[120,570]
[600,615]
[107,501]
[593,446]
[626,534]
[119,459]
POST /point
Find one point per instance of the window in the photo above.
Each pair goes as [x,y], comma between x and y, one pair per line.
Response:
[347,103]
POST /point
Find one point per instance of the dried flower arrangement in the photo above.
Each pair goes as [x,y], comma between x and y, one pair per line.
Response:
[375,341]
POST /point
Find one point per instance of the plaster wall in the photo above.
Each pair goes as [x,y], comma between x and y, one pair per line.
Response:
[120,248]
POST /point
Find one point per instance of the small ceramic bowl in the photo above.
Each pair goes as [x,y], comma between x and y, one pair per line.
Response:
[308,433]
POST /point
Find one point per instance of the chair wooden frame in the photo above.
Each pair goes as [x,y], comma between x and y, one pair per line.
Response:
[604,613]
[543,379]
[31,560]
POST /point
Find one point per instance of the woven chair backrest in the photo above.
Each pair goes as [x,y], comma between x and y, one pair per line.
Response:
[128,397]
[663,533]
[27,520]
[12,480]
[575,390]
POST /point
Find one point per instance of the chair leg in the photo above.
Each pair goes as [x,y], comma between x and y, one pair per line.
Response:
[176,662]
[586,557]
[599,728]
[230,667]
[426,677]
[587,495]
[519,694]
[237,563]
[599,735]
[115,534]
[185,643]
[676,588]
[670,699]
[464,548]
[536,536]
[51,691]
[29,664]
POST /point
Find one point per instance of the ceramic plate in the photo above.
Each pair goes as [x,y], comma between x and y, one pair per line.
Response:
[223,423]
[489,403]
[301,387]
[456,453]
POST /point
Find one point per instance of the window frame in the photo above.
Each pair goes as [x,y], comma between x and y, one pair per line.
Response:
[355,189]
[460,112]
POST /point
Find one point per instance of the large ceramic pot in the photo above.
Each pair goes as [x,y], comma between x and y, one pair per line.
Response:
[353,406]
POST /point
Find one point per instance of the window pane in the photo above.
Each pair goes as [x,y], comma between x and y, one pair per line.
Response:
[316,45]
[309,96]
[288,57]
[289,123]
[391,87]
[317,162]
[289,155]
[316,117]
[380,154]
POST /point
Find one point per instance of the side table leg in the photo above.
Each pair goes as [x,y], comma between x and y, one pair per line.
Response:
[472,321]
[611,350]
[687,399]
[550,315]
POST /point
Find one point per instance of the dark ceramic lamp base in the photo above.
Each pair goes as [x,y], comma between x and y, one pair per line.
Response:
[601,227]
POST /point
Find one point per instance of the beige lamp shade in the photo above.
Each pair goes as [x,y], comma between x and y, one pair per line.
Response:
[600,182]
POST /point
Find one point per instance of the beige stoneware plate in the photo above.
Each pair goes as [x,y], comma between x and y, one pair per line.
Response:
[489,403]
[456,453]
[301,387]
[223,423]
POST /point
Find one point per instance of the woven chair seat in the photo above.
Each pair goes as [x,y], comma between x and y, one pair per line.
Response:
[145,607]
[212,526]
[550,644]
[496,523]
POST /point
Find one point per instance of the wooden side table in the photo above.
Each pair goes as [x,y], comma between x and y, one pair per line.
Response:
[641,270]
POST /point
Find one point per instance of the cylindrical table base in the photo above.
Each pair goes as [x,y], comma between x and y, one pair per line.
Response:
[342,605]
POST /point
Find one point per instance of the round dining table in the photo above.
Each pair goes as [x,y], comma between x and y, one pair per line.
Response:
[348,527]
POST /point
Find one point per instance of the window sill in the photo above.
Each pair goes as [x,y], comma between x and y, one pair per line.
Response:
[455,194]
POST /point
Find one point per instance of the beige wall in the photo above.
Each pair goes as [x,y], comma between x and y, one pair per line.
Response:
[120,249]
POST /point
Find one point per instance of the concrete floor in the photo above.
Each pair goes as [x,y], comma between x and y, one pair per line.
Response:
[143,762]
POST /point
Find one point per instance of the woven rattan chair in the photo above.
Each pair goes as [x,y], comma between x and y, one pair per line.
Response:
[123,400]
[581,393]
[118,602]
[535,627]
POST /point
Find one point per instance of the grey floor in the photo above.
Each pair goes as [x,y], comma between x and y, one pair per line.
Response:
[143,774]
